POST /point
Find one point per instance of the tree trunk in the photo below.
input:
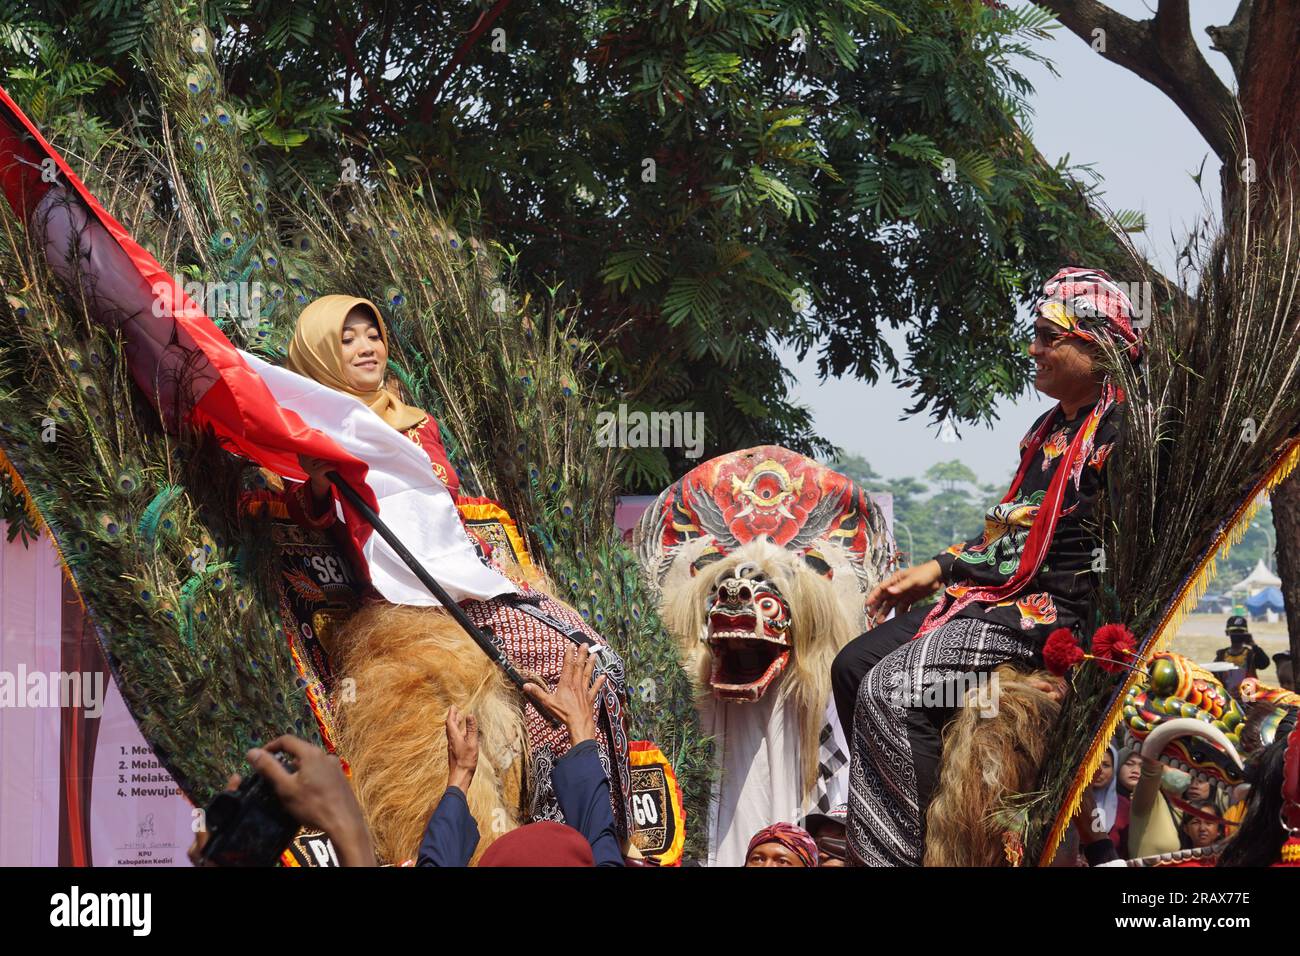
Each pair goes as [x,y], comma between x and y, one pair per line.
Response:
[1270,104]
[1286,521]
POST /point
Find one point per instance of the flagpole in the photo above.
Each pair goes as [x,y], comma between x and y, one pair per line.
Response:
[437,590]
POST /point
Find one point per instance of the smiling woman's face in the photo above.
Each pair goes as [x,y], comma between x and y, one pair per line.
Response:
[365,357]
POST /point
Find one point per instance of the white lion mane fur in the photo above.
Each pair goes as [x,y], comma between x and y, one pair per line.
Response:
[822,622]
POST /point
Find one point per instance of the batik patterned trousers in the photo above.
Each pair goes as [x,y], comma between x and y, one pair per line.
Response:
[898,720]
[534,648]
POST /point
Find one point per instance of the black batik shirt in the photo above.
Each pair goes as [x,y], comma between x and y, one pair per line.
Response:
[1058,595]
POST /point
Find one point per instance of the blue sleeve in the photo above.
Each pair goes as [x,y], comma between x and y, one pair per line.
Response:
[582,790]
[452,834]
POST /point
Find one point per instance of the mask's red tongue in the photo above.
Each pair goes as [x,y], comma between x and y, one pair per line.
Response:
[744,669]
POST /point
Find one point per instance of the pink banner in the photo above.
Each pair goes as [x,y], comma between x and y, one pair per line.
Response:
[80,786]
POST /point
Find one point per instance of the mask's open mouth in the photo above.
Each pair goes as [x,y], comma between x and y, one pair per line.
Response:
[745,663]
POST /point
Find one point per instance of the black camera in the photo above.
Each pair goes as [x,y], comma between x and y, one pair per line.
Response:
[249,827]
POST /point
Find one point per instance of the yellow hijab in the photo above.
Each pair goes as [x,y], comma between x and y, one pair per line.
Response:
[316,351]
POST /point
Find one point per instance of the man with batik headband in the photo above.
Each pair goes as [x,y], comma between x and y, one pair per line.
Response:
[782,844]
[1030,572]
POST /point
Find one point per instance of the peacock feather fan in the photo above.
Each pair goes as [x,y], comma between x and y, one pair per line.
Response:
[127,506]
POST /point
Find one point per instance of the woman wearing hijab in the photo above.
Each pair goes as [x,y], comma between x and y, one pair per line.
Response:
[1111,809]
[420,659]
[341,341]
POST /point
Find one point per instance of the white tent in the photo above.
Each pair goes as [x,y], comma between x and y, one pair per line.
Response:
[1258,579]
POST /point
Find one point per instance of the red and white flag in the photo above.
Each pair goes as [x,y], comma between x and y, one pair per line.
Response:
[193,373]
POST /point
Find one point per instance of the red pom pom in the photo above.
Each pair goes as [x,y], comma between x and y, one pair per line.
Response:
[1115,645]
[1062,651]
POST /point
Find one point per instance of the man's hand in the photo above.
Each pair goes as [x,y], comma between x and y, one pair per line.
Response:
[574,698]
[462,749]
[902,589]
[318,795]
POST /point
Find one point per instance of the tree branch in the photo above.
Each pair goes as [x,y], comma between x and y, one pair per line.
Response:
[345,44]
[1231,40]
[1163,52]
[485,20]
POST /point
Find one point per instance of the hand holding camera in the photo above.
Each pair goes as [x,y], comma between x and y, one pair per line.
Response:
[293,783]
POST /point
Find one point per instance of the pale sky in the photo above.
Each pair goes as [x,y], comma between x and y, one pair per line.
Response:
[1145,152]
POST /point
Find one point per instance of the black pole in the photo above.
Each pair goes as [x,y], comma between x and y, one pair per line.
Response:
[437,590]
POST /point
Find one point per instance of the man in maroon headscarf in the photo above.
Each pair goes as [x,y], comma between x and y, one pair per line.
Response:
[1030,572]
[782,844]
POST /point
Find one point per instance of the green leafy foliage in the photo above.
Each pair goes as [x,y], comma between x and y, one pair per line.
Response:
[690,170]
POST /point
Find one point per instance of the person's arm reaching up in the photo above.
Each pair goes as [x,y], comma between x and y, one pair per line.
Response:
[581,787]
[452,835]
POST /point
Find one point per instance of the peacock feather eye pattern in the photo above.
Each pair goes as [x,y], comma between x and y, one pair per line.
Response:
[127,481]
[198,79]
[109,525]
[89,387]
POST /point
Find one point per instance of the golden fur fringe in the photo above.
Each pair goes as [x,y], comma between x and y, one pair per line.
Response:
[408,666]
[987,759]
[819,625]
[1286,462]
